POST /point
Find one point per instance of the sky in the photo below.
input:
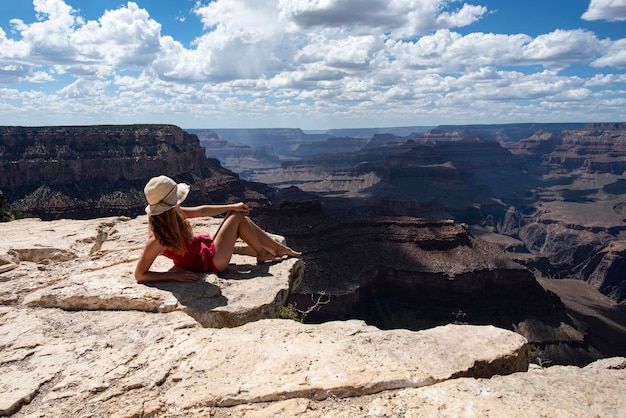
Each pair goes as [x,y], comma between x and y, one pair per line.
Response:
[311,64]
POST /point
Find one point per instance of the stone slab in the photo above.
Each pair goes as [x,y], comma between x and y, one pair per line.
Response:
[89,265]
[99,362]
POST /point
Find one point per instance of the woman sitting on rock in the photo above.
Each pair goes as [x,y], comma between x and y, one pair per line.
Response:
[171,235]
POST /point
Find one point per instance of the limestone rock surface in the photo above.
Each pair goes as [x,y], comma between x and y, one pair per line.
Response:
[79,337]
[98,363]
[89,265]
[559,391]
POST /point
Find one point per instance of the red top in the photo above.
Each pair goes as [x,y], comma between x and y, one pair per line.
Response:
[198,255]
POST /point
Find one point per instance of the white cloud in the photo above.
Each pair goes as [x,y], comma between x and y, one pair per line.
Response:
[446,51]
[10,49]
[614,56]
[467,15]
[81,89]
[604,80]
[248,38]
[40,77]
[344,53]
[561,48]
[396,59]
[245,39]
[401,19]
[611,10]
[125,37]
[47,39]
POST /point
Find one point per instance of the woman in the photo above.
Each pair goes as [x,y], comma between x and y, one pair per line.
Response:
[171,235]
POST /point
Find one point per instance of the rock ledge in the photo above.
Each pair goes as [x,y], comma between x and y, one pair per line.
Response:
[78,337]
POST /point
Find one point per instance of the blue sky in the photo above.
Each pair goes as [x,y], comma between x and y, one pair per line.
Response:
[312,64]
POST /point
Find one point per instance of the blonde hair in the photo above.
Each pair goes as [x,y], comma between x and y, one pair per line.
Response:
[172,230]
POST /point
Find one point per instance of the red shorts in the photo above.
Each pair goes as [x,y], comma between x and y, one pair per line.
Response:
[198,255]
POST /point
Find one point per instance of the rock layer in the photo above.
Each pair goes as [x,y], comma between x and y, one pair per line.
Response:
[101,363]
[556,190]
[91,171]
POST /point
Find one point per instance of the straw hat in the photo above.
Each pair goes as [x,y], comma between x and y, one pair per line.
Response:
[163,194]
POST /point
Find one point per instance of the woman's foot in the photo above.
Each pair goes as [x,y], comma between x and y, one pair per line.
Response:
[286,251]
[268,257]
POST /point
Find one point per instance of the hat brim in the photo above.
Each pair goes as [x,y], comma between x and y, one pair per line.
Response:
[182,190]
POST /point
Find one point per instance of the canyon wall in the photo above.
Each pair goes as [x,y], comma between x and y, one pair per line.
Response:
[554,193]
[88,171]
[414,274]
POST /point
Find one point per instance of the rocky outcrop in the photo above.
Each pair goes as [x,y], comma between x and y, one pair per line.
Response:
[133,364]
[540,392]
[505,134]
[596,147]
[89,265]
[606,269]
[343,145]
[576,221]
[91,171]
[282,140]
[80,338]
[450,174]
[418,273]
[241,159]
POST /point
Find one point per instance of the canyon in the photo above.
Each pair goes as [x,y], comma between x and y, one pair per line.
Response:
[446,260]
[553,194]
[384,220]
[90,171]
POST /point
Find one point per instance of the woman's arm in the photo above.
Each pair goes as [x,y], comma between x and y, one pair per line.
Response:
[212,210]
[151,251]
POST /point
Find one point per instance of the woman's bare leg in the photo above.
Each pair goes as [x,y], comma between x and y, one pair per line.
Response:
[270,243]
[236,225]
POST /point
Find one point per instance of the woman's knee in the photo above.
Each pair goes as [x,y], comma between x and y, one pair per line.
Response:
[237,216]
[231,222]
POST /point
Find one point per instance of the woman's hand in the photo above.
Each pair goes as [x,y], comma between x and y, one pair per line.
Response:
[185,276]
[175,273]
[241,207]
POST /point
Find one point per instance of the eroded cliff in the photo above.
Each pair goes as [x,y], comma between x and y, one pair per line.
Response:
[383,270]
[417,273]
[553,192]
[90,171]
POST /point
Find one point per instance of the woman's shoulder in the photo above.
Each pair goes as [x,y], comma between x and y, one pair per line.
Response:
[153,243]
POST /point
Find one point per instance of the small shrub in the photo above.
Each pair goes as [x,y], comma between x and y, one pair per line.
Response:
[18,214]
[536,356]
[13,215]
[290,312]
[533,353]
